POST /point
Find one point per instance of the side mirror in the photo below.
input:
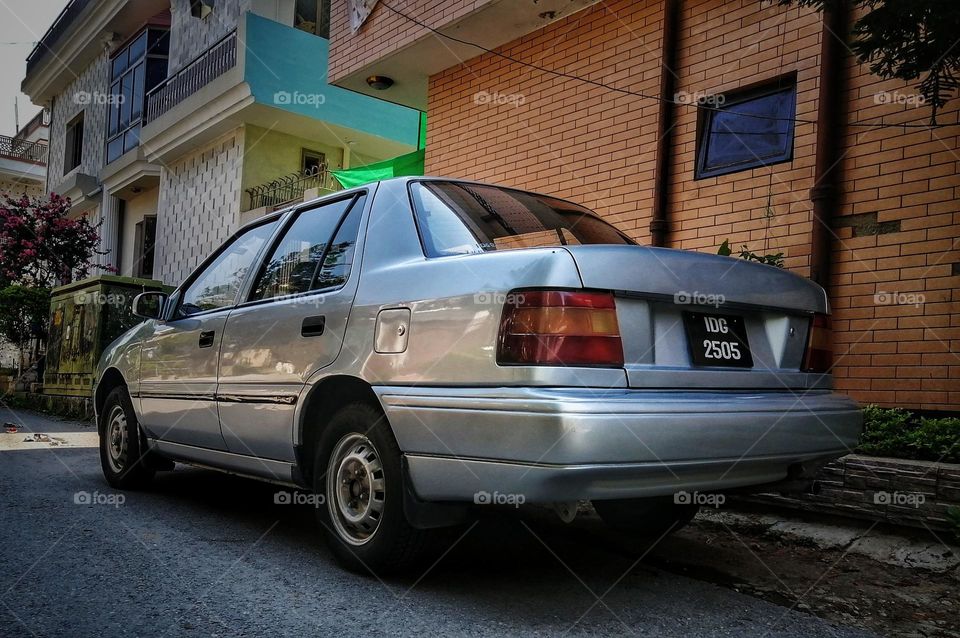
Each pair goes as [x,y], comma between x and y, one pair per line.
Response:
[149,305]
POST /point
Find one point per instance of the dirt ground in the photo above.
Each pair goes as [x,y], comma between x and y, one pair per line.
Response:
[835,584]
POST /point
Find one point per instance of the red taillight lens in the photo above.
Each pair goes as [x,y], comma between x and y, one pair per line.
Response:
[818,356]
[559,327]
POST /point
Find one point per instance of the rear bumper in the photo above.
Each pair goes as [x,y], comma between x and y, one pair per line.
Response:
[550,444]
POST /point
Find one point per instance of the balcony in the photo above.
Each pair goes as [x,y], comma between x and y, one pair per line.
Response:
[291,188]
[213,63]
[16,149]
[272,76]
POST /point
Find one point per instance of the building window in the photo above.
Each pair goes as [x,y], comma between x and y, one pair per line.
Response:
[313,16]
[312,162]
[73,148]
[748,129]
[201,8]
[144,240]
[136,68]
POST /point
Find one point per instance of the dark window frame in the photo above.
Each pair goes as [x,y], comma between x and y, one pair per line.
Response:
[705,119]
[73,143]
[124,82]
[310,153]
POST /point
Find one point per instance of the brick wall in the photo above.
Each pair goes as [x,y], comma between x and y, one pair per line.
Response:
[198,206]
[495,120]
[895,285]
[384,31]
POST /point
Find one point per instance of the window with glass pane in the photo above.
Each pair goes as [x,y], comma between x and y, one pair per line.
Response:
[218,284]
[339,259]
[294,262]
[135,69]
[749,130]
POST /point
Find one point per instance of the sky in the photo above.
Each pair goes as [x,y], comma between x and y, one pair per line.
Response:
[22,23]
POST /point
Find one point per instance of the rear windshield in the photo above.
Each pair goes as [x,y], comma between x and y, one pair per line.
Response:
[458,219]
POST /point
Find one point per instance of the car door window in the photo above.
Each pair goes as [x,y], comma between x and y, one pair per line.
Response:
[304,252]
[217,285]
[339,259]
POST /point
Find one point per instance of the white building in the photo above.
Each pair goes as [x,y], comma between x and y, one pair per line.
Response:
[175,121]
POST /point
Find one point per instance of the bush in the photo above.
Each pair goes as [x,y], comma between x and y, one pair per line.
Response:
[898,433]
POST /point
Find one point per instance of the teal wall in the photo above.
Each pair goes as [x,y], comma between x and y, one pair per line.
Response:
[287,68]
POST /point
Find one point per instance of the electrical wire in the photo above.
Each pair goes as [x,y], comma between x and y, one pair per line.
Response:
[570,76]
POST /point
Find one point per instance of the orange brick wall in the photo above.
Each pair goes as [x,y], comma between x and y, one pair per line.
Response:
[553,134]
[597,147]
[384,31]
[906,350]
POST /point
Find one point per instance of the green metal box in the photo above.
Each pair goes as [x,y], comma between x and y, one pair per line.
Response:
[85,317]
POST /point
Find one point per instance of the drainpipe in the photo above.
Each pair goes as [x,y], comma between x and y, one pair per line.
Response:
[830,122]
[660,224]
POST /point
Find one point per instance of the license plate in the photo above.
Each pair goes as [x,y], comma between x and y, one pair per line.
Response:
[717,340]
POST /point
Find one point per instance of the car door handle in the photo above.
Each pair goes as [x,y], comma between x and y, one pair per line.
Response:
[206,338]
[313,326]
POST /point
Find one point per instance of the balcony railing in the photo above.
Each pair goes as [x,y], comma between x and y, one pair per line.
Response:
[289,188]
[67,17]
[17,149]
[40,119]
[207,67]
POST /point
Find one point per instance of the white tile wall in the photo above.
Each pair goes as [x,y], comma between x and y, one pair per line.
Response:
[199,206]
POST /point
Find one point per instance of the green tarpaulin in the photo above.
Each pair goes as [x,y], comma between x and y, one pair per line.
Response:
[409,164]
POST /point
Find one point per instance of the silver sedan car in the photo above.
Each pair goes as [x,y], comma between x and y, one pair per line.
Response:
[409,350]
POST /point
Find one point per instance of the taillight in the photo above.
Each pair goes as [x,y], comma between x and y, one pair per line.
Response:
[818,357]
[560,327]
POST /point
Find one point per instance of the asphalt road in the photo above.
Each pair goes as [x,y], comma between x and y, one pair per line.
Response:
[205,554]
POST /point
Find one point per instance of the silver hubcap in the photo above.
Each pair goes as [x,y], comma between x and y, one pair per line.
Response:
[355,489]
[117,444]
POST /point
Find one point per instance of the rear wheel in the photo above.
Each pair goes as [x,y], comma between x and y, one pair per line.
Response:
[358,472]
[121,450]
[649,517]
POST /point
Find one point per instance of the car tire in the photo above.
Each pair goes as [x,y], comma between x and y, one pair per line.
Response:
[121,445]
[359,473]
[649,517]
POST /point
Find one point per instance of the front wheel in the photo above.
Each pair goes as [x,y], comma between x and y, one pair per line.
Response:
[121,452]
[358,471]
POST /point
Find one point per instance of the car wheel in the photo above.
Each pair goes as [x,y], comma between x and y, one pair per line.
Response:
[121,451]
[358,472]
[650,517]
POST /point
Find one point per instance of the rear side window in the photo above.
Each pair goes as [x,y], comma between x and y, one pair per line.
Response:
[305,258]
[457,219]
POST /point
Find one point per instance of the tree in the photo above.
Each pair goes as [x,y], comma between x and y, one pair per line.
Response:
[907,40]
[40,247]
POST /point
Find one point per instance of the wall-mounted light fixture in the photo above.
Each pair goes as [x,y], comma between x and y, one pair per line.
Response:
[380,82]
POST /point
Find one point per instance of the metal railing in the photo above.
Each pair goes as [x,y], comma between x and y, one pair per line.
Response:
[18,149]
[68,16]
[289,188]
[205,68]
